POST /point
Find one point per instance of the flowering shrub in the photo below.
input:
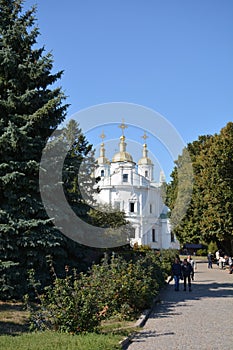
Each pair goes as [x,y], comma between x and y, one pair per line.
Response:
[126,287]
[78,303]
[69,305]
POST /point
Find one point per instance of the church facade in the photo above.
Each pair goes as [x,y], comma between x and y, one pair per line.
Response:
[130,187]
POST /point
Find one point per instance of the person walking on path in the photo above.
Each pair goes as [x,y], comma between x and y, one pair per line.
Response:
[230,263]
[187,270]
[209,257]
[193,264]
[217,256]
[176,273]
[200,320]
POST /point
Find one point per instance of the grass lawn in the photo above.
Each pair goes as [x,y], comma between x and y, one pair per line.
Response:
[196,258]
[58,341]
[14,334]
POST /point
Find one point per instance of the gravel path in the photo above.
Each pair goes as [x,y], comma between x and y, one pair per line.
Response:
[200,320]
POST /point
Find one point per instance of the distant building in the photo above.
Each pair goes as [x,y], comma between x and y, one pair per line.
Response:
[130,187]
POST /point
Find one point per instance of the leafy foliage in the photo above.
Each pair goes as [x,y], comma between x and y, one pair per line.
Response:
[117,228]
[216,182]
[210,214]
[115,287]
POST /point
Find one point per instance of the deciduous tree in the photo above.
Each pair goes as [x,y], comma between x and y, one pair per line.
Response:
[209,216]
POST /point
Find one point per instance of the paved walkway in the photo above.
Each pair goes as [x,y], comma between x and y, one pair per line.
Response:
[197,320]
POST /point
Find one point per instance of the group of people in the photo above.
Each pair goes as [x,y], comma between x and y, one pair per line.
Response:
[183,271]
[224,260]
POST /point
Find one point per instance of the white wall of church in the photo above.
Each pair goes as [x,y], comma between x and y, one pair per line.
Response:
[131,189]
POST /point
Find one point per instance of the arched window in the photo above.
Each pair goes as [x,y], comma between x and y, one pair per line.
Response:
[153,235]
[172,237]
[102,173]
[131,207]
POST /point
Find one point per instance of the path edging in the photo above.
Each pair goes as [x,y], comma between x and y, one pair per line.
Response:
[141,320]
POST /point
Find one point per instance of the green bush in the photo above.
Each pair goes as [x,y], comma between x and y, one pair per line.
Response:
[167,257]
[131,285]
[115,287]
[69,305]
[202,252]
[212,247]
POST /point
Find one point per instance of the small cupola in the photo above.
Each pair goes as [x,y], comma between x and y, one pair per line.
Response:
[102,159]
[145,165]
[145,160]
[103,164]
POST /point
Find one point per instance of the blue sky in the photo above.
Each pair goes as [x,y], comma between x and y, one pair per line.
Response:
[173,56]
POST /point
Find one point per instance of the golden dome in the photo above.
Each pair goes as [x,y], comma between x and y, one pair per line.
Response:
[122,156]
[102,160]
[145,160]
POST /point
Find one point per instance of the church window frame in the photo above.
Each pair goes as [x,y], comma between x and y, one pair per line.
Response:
[146,173]
[153,234]
[132,207]
[102,173]
[125,178]
[172,237]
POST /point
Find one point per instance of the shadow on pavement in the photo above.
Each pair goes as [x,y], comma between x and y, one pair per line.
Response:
[140,337]
[13,321]
[171,301]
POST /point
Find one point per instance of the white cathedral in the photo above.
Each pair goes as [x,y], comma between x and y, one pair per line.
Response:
[130,187]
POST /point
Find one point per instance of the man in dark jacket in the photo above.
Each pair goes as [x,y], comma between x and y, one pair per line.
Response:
[187,270]
[209,258]
[176,273]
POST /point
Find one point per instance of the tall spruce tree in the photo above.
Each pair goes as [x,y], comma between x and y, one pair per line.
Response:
[78,171]
[29,112]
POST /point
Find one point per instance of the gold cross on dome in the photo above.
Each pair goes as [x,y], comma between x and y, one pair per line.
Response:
[103,136]
[122,126]
[145,136]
